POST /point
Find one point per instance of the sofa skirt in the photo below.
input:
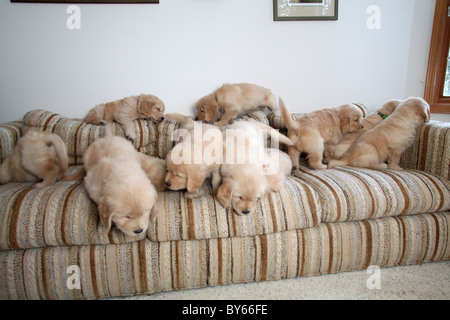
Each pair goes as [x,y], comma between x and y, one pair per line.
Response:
[147,267]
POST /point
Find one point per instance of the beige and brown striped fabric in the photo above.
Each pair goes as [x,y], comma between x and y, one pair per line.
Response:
[145,267]
[9,134]
[63,214]
[349,194]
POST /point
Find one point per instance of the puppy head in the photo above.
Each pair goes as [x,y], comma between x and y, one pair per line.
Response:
[151,107]
[419,107]
[183,176]
[243,193]
[389,107]
[128,207]
[350,118]
[207,108]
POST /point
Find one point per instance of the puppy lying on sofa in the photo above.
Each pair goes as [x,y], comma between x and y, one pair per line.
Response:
[126,110]
[38,155]
[233,100]
[250,170]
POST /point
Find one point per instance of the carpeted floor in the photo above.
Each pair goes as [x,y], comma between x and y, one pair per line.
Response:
[424,282]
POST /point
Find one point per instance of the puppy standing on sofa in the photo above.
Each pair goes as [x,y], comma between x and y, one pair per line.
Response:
[38,155]
[387,141]
[126,110]
[318,130]
[233,100]
[368,123]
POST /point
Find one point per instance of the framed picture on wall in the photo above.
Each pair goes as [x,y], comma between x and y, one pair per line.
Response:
[288,10]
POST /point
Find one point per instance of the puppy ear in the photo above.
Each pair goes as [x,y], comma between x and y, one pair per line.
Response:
[211,109]
[105,214]
[146,105]
[224,193]
[195,179]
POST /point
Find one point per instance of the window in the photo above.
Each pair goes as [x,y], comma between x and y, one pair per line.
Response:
[437,86]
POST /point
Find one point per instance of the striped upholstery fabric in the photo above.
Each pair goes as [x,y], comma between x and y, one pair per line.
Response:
[358,194]
[63,214]
[430,152]
[9,134]
[145,267]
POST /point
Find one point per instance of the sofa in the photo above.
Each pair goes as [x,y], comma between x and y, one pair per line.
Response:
[52,245]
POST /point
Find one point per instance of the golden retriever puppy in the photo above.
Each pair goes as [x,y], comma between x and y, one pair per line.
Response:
[197,157]
[312,132]
[155,168]
[388,140]
[38,155]
[368,123]
[116,181]
[231,100]
[247,164]
[277,167]
[126,110]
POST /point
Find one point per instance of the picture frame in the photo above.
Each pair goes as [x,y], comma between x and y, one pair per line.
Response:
[291,10]
[85,1]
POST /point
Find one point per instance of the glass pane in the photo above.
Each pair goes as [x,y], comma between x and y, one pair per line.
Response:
[447,79]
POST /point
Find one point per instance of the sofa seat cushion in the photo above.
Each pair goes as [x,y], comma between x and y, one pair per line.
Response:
[349,194]
[63,214]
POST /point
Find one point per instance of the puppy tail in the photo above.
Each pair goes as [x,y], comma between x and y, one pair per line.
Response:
[61,153]
[275,134]
[187,122]
[287,118]
[337,163]
[76,175]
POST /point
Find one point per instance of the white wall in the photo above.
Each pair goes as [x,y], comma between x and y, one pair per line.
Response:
[181,50]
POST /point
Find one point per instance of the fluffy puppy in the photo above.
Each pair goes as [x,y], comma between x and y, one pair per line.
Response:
[155,168]
[116,181]
[277,167]
[387,141]
[232,100]
[38,155]
[126,110]
[197,157]
[323,127]
[368,123]
[246,165]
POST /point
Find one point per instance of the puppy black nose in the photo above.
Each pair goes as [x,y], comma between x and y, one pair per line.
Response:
[245,211]
[138,231]
[167,183]
[196,118]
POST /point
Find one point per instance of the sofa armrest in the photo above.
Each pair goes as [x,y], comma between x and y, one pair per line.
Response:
[10,132]
[431,150]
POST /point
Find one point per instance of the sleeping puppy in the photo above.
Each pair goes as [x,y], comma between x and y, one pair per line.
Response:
[126,110]
[197,157]
[387,141]
[368,123]
[38,155]
[155,168]
[246,165]
[319,129]
[232,100]
[277,167]
[116,181]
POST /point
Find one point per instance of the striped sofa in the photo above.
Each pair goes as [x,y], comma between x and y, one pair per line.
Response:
[52,245]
